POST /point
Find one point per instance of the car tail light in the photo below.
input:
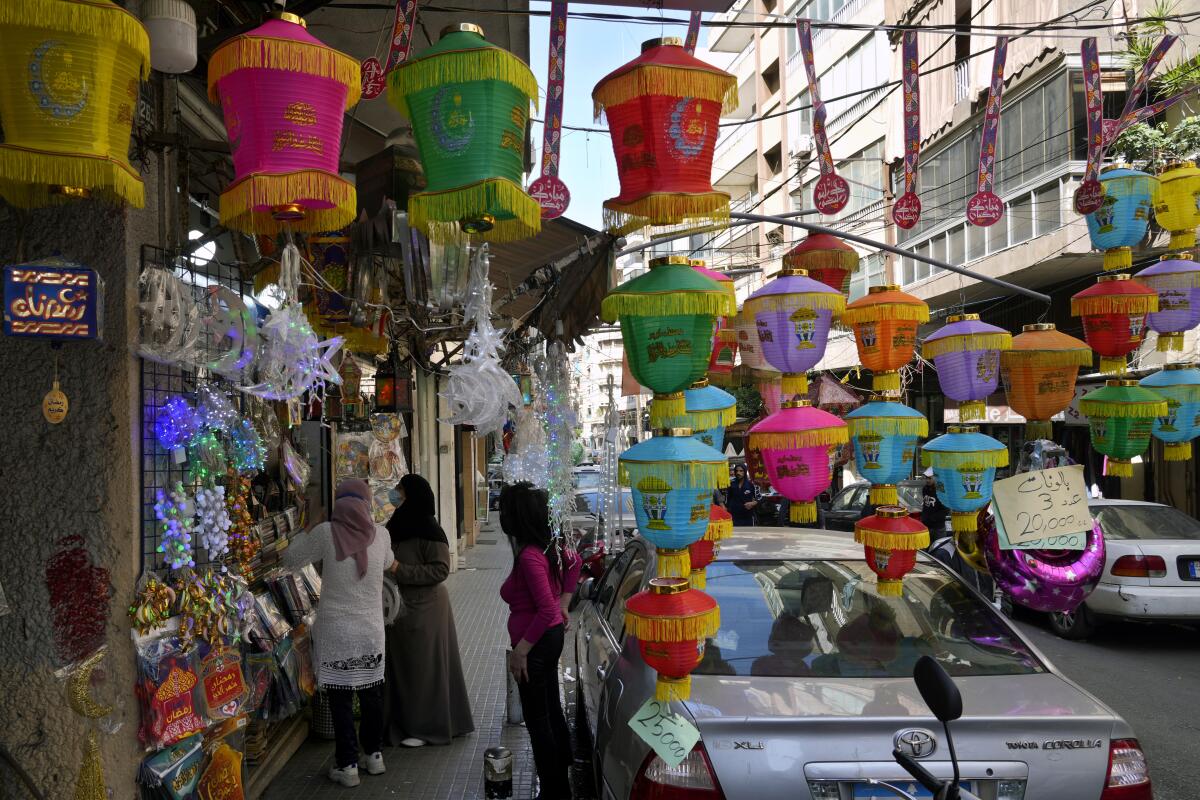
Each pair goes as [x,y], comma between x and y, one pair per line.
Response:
[690,779]
[1128,776]
[1140,567]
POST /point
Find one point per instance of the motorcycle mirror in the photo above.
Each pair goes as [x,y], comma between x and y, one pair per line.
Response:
[937,689]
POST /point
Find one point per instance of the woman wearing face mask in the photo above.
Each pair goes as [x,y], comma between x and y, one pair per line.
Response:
[426,691]
[742,498]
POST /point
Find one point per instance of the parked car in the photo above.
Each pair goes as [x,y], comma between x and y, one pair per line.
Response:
[847,506]
[1151,569]
[589,477]
[807,687]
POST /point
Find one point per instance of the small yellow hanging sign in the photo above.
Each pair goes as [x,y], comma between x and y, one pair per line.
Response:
[55,405]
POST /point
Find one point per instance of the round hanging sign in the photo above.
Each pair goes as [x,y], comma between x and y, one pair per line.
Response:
[1089,196]
[907,210]
[831,194]
[373,79]
[55,405]
[551,194]
[984,209]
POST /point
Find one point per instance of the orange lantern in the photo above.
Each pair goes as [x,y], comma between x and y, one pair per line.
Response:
[671,621]
[1114,318]
[891,539]
[885,331]
[701,554]
[827,258]
[1039,374]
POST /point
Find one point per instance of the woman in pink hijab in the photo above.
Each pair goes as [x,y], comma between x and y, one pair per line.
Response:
[348,637]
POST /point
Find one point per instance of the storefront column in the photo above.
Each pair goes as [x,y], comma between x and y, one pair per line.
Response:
[433,454]
[447,479]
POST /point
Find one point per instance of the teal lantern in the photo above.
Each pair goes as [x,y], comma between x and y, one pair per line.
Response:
[964,465]
[1124,214]
[884,435]
[709,411]
[1180,385]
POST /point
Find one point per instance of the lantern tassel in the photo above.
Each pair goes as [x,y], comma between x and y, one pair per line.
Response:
[673,563]
[1118,258]
[668,689]
[714,86]
[432,210]
[1118,468]
[709,418]
[674,629]
[701,474]
[1038,429]
[885,381]
[888,588]
[1113,365]
[819,301]
[1140,410]
[888,426]
[699,579]
[1078,357]
[918,312]
[668,208]
[792,440]
[669,411]
[971,409]
[668,304]
[1132,304]
[966,343]
[26,175]
[718,530]
[100,20]
[964,521]
[794,383]
[1169,341]
[285,55]
[240,201]
[883,494]
[1182,240]
[1178,451]
[966,460]
[890,540]
[459,66]
[803,512]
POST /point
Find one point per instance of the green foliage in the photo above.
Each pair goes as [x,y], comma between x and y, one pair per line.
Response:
[1140,44]
[1153,146]
[749,401]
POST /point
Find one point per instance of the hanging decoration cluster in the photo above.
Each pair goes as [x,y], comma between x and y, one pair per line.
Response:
[1179,386]
[1039,373]
[561,418]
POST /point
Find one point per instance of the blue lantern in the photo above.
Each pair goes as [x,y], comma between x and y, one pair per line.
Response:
[964,465]
[709,411]
[885,437]
[1180,385]
[1124,214]
[672,478]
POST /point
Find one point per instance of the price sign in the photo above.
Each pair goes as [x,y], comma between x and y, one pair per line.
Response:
[1044,505]
[1070,541]
[670,736]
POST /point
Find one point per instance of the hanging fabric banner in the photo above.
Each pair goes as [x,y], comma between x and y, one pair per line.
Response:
[693,34]
[907,209]
[985,207]
[1139,88]
[402,33]
[1090,194]
[548,190]
[1144,113]
[832,193]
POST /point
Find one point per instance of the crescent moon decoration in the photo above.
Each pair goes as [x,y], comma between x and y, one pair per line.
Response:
[79,688]
[453,129]
[688,143]
[58,91]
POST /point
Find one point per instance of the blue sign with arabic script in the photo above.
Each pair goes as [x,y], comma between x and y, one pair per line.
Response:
[52,300]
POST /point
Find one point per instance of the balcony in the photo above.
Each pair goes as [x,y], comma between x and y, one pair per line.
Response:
[962,80]
[732,38]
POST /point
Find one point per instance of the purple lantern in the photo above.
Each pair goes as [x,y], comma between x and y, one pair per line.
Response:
[966,354]
[792,314]
[1176,278]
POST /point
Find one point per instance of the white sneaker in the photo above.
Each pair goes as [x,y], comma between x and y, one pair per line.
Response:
[375,764]
[412,742]
[346,776]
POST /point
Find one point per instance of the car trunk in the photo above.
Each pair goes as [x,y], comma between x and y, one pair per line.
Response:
[1178,554]
[769,737]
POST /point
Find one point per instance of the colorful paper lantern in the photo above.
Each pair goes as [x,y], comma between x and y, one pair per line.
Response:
[1124,214]
[756,467]
[1177,205]
[672,477]
[284,95]
[1179,385]
[68,97]
[964,465]
[667,317]
[1121,415]
[891,539]
[1114,318]
[795,444]
[701,554]
[966,354]
[885,436]
[1177,280]
[885,332]
[826,258]
[720,524]
[468,101]
[671,621]
[664,110]
[725,342]
[1039,373]
[709,410]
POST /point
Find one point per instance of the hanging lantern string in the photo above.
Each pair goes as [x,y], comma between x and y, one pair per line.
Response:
[289,271]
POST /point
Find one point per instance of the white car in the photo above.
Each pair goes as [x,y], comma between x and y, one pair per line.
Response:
[1151,569]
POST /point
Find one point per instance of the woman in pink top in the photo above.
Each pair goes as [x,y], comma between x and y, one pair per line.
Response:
[537,592]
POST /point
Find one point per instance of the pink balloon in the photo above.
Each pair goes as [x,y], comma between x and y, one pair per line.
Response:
[1044,580]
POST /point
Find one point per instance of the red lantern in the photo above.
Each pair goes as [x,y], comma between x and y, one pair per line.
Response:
[664,110]
[1114,318]
[701,553]
[720,524]
[827,258]
[725,340]
[671,621]
[891,538]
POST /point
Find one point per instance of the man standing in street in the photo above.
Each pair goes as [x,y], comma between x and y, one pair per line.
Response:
[742,498]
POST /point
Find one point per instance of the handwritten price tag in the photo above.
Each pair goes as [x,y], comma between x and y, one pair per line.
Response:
[670,736]
[1047,505]
[1070,541]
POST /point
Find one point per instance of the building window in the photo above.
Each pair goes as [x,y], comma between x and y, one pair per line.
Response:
[976,247]
[1049,208]
[770,77]
[865,67]
[997,234]
[1020,211]
[956,245]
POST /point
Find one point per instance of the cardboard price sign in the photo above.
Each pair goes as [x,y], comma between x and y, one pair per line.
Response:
[670,736]
[1043,505]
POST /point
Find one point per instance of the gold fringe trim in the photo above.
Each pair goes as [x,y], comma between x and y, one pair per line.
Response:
[965,460]
[699,579]
[26,176]
[964,521]
[669,411]
[887,540]
[1118,258]
[673,563]
[889,588]
[709,418]
[668,689]
[965,343]
[971,409]
[888,426]
[426,209]
[1178,451]
[1113,365]
[1119,468]
[803,512]
[674,629]
[883,494]
[794,383]
[1136,410]
[239,200]
[1078,357]
[620,303]
[667,208]
[718,530]
[1182,240]
[886,311]
[699,474]
[820,301]
[670,81]
[793,440]
[1131,304]
[1172,280]
[102,20]
[1038,429]
[459,66]
[286,55]
[885,381]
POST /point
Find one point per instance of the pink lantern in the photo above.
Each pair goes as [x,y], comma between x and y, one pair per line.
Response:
[772,394]
[966,354]
[284,94]
[795,443]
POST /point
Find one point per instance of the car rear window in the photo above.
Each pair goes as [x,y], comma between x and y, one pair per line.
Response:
[910,495]
[825,619]
[1146,522]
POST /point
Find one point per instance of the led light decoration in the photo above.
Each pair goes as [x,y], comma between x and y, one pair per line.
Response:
[885,331]
[1039,373]
[174,511]
[175,425]
[964,465]
[214,410]
[292,360]
[1176,279]
[247,453]
[1124,214]
[1177,204]
[1121,416]
[795,444]
[671,621]
[891,539]
[1179,385]
[212,521]
[966,354]
[884,435]
[826,258]
[1114,318]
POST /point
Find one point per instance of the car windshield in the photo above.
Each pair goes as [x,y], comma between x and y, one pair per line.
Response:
[1145,522]
[825,619]
[592,502]
[587,480]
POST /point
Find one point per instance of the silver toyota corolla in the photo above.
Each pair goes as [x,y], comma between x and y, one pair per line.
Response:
[807,688]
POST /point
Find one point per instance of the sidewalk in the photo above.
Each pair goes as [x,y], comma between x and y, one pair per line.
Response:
[455,771]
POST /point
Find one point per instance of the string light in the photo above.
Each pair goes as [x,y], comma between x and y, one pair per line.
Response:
[174,512]
[175,424]
[247,453]
[212,522]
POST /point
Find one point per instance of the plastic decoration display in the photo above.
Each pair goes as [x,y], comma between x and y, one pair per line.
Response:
[708,411]
[231,340]
[826,258]
[966,354]
[468,101]
[212,522]
[1179,385]
[1177,204]
[672,477]
[891,539]
[243,541]
[1114,318]
[1039,373]
[885,332]
[292,360]
[701,554]
[214,410]
[247,453]
[1177,281]
[795,444]
[664,110]
[284,95]
[964,465]
[1121,415]
[671,621]
[68,97]
[1123,216]
[174,512]
[884,435]
[175,425]
[792,315]
[207,460]
[725,340]
[169,317]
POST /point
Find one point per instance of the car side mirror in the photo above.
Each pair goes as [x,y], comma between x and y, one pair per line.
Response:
[938,690]
[588,588]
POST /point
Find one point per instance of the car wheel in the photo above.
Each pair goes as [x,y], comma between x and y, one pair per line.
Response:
[1077,624]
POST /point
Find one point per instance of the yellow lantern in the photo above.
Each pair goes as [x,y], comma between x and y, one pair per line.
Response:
[1177,204]
[68,97]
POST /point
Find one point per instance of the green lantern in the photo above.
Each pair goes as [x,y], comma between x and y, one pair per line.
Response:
[1121,415]
[667,317]
[468,101]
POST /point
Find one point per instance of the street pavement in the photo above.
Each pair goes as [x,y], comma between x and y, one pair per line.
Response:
[1150,675]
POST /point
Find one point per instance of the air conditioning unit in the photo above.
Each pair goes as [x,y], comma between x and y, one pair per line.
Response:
[803,145]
